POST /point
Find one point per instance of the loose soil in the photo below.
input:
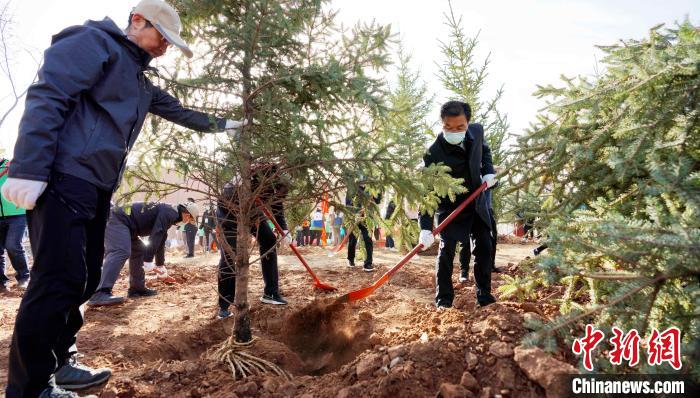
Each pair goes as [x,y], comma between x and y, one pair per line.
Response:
[157,347]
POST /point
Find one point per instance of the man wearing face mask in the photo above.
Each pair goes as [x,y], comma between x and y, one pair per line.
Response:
[462,147]
[81,119]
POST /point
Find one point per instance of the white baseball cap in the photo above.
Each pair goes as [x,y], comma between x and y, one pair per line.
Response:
[165,19]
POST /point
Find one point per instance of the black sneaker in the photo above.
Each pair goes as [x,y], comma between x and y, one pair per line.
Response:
[463,275]
[103,298]
[368,268]
[223,314]
[351,264]
[23,283]
[189,256]
[496,270]
[145,292]
[76,376]
[274,299]
[56,392]
[485,300]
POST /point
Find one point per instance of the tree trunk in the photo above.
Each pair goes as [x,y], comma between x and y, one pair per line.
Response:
[241,326]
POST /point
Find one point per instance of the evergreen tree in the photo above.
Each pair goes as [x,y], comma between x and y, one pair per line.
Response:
[616,160]
[314,101]
[404,127]
[464,80]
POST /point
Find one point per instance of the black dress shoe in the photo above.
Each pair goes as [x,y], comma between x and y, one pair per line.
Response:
[145,292]
[103,298]
[485,300]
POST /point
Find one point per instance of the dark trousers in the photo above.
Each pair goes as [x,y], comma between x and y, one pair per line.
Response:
[389,241]
[11,234]
[465,256]
[465,253]
[352,245]
[315,237]
[307,236]
[122,245]
[300,238]
[66,231]
[483,261]
[227,270]
[208,238]
[494,237]
[190,235]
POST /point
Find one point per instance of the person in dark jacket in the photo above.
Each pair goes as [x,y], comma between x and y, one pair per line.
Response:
[271,186]
[367,239]
[462,147]
[391,207]
[13,223]
[190,234]
[125,228]
[81,118]
[208,225]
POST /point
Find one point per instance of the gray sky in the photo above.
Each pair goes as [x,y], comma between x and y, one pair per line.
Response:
[531,41]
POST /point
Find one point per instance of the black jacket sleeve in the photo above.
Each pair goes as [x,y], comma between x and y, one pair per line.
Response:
[169,108]
[160,254]
[72,65]
[159,234]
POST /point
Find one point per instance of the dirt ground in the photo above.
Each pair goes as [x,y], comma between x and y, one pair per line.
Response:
[391,344]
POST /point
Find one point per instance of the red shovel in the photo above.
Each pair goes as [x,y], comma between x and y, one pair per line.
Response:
[317,282]
[364,292]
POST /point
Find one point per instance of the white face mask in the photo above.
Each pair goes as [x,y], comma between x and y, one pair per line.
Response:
[454,138]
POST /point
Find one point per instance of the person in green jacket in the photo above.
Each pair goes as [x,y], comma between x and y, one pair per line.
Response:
[13,223]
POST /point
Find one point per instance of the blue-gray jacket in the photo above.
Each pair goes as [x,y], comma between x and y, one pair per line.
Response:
[85,111]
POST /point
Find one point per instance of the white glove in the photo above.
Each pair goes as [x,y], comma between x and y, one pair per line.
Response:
[489,179]
[426,239]
[287,237]
[148,267]
[22,193]
[161,271]
[233,127]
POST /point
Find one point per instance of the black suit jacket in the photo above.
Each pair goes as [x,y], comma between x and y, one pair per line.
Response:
[469,162]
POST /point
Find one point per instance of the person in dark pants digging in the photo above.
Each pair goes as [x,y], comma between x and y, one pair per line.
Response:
[462,147]
[123,242]
[13,223]
[352,240]
[190,234]
[271,186]
[82,117]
